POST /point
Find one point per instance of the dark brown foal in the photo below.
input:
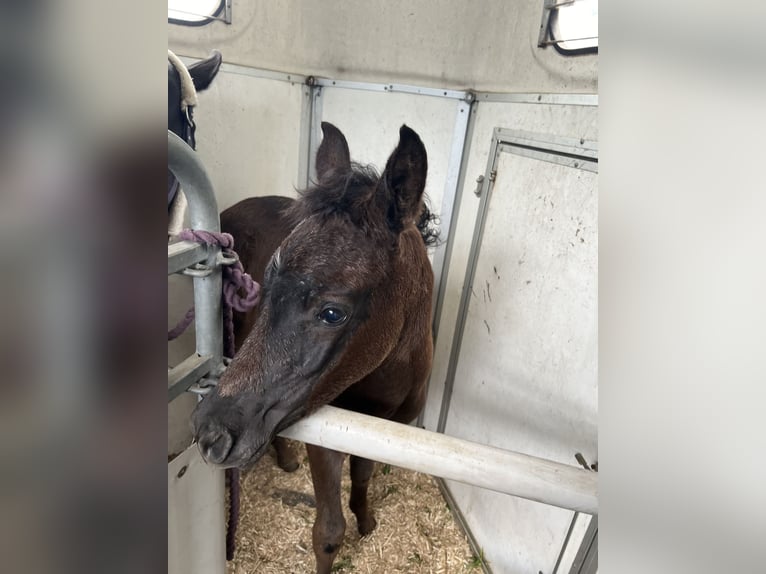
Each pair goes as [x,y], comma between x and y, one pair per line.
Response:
[344,319]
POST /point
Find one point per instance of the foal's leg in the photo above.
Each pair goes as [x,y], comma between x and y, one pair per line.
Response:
[361,470]
[286,457]
[326,466]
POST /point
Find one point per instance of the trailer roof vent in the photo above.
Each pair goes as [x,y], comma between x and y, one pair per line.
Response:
[570,26]
[198,12]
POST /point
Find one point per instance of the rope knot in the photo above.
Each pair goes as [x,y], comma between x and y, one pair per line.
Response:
[240,291]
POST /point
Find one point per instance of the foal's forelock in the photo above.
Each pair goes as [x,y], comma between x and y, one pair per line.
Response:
[351,193]
[360,195]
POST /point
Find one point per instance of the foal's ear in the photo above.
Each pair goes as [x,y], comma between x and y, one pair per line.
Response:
[204,71]
[333,154]
[405,178]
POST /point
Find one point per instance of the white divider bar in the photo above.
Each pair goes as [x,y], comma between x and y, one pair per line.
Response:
[450,458]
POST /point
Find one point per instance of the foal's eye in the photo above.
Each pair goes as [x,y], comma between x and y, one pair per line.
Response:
[332,316]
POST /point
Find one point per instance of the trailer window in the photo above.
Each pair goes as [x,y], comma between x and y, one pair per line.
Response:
[197,12]
[570,26]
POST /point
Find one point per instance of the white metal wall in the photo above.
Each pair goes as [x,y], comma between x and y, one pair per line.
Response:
[248,136]
[526,377]
[564,120]
[491,45]
[196,516]
[371,122]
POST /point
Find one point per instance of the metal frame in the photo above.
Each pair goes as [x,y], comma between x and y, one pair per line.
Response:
[394,88]
[184,254]
[478,232]
[304,142]
[545,37]
[315,128]
[450,211]
[457,514]
[571,152]
[538,98]
[223,7]
[252,72]
[586,560]
[208,319]
[578,154]
[465,95]
[186,373]
[453,194]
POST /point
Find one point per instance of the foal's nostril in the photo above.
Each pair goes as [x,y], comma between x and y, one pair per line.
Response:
[215,444]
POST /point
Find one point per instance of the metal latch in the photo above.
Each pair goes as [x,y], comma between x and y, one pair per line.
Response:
[479,182]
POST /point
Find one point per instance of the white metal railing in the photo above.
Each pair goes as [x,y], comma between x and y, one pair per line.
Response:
[447,457]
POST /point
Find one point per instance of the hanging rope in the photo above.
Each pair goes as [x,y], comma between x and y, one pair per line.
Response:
[232,483]
[240,293]
[182,325]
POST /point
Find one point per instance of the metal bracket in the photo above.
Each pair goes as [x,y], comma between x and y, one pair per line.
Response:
[542,38]
[198,270]
[227,11]
[203,387]
[226,259]
[584,463]
[207,383]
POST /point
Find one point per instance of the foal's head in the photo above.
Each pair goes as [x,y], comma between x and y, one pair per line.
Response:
[337,296]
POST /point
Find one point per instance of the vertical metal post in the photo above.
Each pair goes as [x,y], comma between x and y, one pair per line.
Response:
[473,258]
[586,560]
[304,149]
[450,209]
[203,212]
[315,134]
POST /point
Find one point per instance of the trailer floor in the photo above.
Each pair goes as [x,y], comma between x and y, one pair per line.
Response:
[416,532]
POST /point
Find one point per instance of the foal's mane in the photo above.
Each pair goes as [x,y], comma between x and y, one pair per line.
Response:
[354,194]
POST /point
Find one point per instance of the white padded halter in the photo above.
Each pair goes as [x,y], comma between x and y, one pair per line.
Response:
[188,92]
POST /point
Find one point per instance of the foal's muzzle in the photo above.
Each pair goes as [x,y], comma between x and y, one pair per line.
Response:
[214,441]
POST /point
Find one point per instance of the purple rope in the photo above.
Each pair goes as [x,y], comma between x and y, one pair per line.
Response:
[234,275]
[182,325]
[240,293]
[232,482]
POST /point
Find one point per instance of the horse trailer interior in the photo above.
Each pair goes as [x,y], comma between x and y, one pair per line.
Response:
[508,113]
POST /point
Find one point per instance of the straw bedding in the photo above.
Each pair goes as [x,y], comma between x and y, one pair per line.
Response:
[416,532]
